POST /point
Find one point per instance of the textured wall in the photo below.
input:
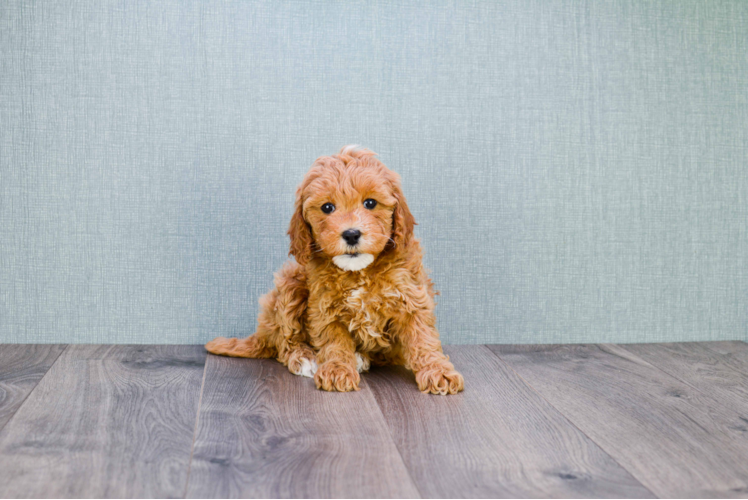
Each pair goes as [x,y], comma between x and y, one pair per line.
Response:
[578,169]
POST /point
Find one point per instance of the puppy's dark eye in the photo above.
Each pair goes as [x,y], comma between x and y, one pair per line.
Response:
[328,208]
[369,204]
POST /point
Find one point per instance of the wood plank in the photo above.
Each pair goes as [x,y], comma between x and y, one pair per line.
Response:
[106,421]
[675,440]
[22,366]
[264,432]
[735,350]
[714,374]
[498,438]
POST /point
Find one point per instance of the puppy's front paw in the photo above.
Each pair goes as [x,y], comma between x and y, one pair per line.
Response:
[439,379]
[335,376]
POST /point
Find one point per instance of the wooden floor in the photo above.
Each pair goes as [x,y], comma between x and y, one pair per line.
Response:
[647,420]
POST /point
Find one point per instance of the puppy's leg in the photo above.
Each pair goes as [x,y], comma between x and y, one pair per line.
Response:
[286,312]
[337,359]
[280,330]
[266,342]
[423,354]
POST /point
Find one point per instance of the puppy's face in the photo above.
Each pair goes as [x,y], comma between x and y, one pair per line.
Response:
[350,206]
[350,214]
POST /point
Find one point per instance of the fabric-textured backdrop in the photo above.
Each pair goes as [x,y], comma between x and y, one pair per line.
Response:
[578,169]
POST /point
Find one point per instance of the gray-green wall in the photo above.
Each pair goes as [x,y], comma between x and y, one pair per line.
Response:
[578,169]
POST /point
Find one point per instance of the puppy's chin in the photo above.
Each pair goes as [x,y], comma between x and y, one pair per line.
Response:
[348,262]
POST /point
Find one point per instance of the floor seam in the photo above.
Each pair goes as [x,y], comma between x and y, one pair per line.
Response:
[392,440]
[679,379]
[571,422]
[35,387]
[197,422]
[727,358]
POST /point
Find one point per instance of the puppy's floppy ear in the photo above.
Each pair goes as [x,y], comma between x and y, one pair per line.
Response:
[402,220]
[300,233]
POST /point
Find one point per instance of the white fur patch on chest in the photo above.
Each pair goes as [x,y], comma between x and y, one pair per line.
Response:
[353,262]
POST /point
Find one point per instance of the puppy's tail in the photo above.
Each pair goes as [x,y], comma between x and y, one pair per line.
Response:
[254,346]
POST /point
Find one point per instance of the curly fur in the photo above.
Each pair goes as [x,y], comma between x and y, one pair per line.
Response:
[346,320]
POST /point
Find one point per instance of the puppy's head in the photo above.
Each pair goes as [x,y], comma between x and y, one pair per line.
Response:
[349,208]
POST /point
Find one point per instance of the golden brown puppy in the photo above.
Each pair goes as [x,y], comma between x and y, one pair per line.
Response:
[358,292]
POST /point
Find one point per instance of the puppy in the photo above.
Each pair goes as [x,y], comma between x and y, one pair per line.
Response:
[358,293]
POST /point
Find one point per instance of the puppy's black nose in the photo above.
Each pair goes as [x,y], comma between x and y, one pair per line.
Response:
[351,236]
